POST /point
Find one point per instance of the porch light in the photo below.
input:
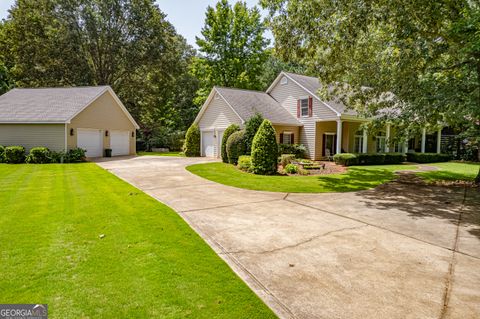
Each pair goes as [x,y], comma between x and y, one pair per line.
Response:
[133,134]
[71,132]
[106,133]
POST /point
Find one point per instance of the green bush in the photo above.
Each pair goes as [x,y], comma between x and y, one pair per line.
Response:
[299,150]
[2,154]
[286,159]
[38,155]
[14,154]
[245,163]
[236,146]
[394,158]
[427,157]
[75,155]
[291,169]
[371,158]
[226,134]
[191,147]
[57,157]
[265,150]
[251,128]
[345,159]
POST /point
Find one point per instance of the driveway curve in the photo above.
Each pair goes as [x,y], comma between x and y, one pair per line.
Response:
[397,251]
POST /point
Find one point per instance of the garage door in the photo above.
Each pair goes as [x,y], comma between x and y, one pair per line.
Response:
[208,144]
[120,143]
[90,140]
[219,143]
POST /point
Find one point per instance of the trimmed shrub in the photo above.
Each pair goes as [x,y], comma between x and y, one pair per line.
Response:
[251,128]
[299,150]
[14,154]
[265,150]
[394,158]
[226,134]
[2,154]
[57,157]
[427,157]
[75,155]
[286,159]
[236,146]
[291,169]
[38,155]
[191,147]
[370,159]
[345,159]
[245,163]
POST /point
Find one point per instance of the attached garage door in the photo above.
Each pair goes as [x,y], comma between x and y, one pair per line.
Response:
[120,143]
[208,144]
[90,140]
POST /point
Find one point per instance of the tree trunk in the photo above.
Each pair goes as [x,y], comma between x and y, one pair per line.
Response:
[477,179]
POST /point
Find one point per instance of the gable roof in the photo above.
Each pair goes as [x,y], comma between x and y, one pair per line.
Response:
[245,103]
[51,105]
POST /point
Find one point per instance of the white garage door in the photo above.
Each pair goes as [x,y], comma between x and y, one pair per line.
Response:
[208,144]
[90,140]
[219,143]
[120,143]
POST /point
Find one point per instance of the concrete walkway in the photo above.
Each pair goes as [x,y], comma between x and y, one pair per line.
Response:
[398,251]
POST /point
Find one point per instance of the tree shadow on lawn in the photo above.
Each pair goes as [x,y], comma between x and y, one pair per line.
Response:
[423,201]
[355,179]
[445,175]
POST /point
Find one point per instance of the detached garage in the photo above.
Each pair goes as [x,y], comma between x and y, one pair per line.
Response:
[92,118]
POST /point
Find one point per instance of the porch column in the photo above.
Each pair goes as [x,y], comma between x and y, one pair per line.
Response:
[424,137]
[365,141]
[339,137]
[387,138]
[439,140]
[405,145]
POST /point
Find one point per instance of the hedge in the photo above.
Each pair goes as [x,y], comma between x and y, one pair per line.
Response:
[14,154]
[371,159]
[349,159]
[39,155]
[245,163]
[236,146]
[345,159]
[394,158]
[299,150]
[427,157]
[265,150]
[226,134]
[2,154]
[191,147]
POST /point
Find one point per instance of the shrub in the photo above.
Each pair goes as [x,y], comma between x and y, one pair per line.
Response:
[226,134]
[191,147]
[298,150]
[236,146]
[370,159]
[265,150]
[291,169]
[14,154]
[345,159]
[75,155]
[38,155]
[2,154]
[251,128]
[286,159]
[394,158]
[57,157]
[427,157]
[245,163]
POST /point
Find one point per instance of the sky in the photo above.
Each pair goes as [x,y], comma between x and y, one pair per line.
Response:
[186,15]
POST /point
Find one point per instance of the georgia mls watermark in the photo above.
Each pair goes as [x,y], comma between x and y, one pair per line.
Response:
[24,311]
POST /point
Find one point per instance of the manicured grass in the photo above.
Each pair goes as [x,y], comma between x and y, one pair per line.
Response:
[179,154]
[452,171]
[357,178]
[150,263]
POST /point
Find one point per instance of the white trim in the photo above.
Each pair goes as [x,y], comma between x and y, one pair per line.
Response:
[66,138]
[207,102]
[21,122]
[330,133]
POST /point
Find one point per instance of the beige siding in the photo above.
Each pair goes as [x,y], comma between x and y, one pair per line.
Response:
[294,129]
[287,95]
[218,115]
[33,135]
[104,114]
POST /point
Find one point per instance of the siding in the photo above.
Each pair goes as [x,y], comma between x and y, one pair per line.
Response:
[287,95]
[103,114]
[33,135]
[218,115]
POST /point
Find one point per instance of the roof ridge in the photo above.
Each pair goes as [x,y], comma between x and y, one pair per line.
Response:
[238,89]
[307,76]
[61,87]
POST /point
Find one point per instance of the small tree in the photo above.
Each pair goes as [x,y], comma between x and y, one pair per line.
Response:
[191,147]
[251,128]
[236,146]
[226,134]
[265,150]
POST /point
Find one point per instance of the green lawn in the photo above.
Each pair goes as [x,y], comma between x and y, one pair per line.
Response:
[357,178]
[149,264]
[178,154]
[452,171]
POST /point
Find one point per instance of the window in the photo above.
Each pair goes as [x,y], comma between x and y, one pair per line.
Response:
[284,81]
[381,143]
[287,138]
[304,107]
[358,145]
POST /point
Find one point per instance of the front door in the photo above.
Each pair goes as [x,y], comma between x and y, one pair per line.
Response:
[329,144]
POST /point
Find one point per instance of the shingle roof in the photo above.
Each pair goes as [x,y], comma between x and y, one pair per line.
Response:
[313,85]
[46,105]
[246,103]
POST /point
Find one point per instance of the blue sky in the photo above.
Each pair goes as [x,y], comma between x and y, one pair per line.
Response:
[186,15]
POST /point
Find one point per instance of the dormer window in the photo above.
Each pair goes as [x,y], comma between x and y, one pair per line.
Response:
[284,81]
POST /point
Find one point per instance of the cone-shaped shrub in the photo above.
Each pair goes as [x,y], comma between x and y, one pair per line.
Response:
[226,134]
[265,150]
[236,146]
[251,128]
[191,147]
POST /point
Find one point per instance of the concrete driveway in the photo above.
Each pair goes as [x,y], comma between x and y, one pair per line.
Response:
[398,251]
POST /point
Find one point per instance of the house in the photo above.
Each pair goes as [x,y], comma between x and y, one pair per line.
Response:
[299,116]
[92,118]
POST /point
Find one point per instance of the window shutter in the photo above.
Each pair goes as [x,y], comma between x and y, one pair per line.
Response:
[323,145]
[310,106]
[292,141]
[334,145]
[281,138]
[298,108]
